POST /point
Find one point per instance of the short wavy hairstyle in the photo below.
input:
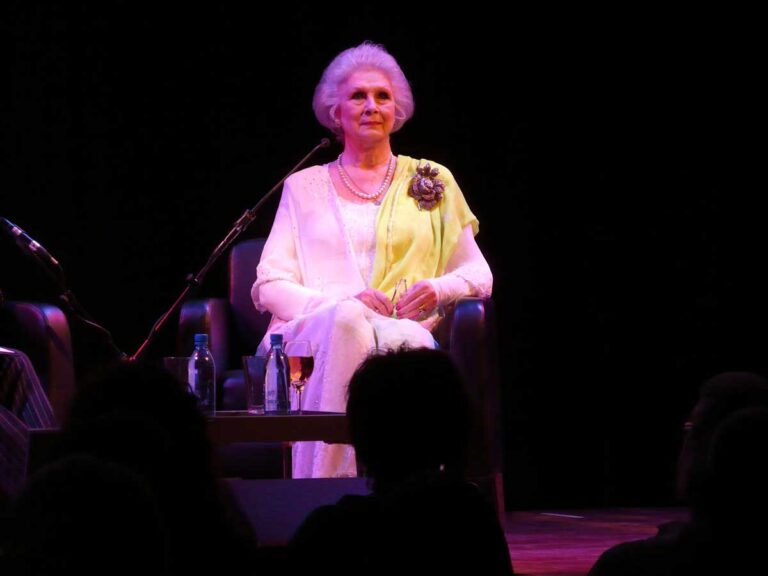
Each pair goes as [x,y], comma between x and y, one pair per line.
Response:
[366,55]
[394,445]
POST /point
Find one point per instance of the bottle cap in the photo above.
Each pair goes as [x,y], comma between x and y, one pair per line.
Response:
[276,339]
[201,339]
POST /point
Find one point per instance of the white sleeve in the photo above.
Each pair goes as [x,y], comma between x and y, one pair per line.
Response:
[287,300]
[278,287]
[467,272]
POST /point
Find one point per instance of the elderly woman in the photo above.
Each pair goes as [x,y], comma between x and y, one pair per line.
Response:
[365,251]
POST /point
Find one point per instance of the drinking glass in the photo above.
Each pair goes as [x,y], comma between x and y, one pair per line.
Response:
[301,361]
[253,372]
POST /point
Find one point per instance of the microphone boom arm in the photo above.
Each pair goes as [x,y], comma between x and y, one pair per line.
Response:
[238,228]
[55,272]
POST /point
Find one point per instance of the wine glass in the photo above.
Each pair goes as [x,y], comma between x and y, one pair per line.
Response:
[301,362]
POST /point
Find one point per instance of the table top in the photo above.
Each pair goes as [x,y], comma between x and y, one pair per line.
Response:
[240,426]
[227,427]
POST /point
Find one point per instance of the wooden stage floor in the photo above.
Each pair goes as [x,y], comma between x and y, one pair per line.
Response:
[552,542]
[568,542]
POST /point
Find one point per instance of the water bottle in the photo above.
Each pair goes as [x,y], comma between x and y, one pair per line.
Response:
[276,377]
[202,375]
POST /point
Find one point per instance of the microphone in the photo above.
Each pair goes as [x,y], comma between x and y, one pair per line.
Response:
[53,269]
[28,244]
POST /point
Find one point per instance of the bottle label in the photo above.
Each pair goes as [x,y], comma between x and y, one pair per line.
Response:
[201,376]
[276,382]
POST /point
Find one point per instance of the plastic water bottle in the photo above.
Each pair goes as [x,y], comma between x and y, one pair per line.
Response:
[202,375]
[276,377]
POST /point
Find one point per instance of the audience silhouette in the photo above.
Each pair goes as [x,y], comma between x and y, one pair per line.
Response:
[138,416]
[722,464]
[736,502]
[83,515]
[135,489]
[719,397]
[408,415]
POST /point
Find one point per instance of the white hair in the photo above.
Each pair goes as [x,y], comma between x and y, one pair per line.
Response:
[366,55]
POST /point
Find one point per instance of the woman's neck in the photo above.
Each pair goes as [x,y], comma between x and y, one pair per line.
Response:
[367,158]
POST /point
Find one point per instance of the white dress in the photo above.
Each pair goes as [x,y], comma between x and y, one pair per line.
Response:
[319,254]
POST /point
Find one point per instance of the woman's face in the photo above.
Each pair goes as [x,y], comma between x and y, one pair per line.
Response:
[366,106]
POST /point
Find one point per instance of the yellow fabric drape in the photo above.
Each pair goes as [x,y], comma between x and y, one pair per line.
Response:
[417,244]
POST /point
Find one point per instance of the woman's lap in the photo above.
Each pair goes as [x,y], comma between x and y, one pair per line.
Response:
[342,336]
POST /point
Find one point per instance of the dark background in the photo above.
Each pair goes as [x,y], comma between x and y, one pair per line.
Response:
[611,159]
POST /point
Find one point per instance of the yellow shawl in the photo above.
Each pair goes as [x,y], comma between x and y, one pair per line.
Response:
[417,244]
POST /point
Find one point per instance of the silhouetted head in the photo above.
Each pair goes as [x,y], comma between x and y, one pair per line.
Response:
[737,467]
[719,397]
[138,415]
[82,515]
[408,413]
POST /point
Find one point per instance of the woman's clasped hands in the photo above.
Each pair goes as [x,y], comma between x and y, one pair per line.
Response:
[415,303]
[418,302]
[377,301]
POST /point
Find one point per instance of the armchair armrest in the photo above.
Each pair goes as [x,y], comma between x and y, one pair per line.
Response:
[473,346]
[41,331]
[468,339]
[205,316]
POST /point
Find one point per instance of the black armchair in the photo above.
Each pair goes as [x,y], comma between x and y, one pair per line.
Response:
[42,332]
[235,328]
[233,324]
[37,381]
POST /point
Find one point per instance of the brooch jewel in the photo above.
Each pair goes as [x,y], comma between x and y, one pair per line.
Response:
[426,188]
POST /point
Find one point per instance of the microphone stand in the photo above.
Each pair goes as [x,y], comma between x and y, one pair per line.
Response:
[54,271]
[240,225]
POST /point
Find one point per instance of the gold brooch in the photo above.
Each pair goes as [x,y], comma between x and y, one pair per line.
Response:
[426,188]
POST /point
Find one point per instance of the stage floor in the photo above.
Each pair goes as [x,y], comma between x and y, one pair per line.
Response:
[552,542]
[568,542]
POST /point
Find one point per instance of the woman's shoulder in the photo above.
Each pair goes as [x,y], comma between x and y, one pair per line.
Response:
[412,164]
[307,175]
[416,162]
[313,178]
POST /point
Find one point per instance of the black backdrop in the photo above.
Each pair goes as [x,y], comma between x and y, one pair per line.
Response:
[608,156]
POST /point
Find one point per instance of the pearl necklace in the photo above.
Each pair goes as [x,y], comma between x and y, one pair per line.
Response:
[352,187]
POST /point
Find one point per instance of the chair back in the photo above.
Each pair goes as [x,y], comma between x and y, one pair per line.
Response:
[249,324]
[41,331]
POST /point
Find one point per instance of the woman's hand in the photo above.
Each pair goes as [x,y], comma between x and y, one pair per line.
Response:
[418,302]
[376,301]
